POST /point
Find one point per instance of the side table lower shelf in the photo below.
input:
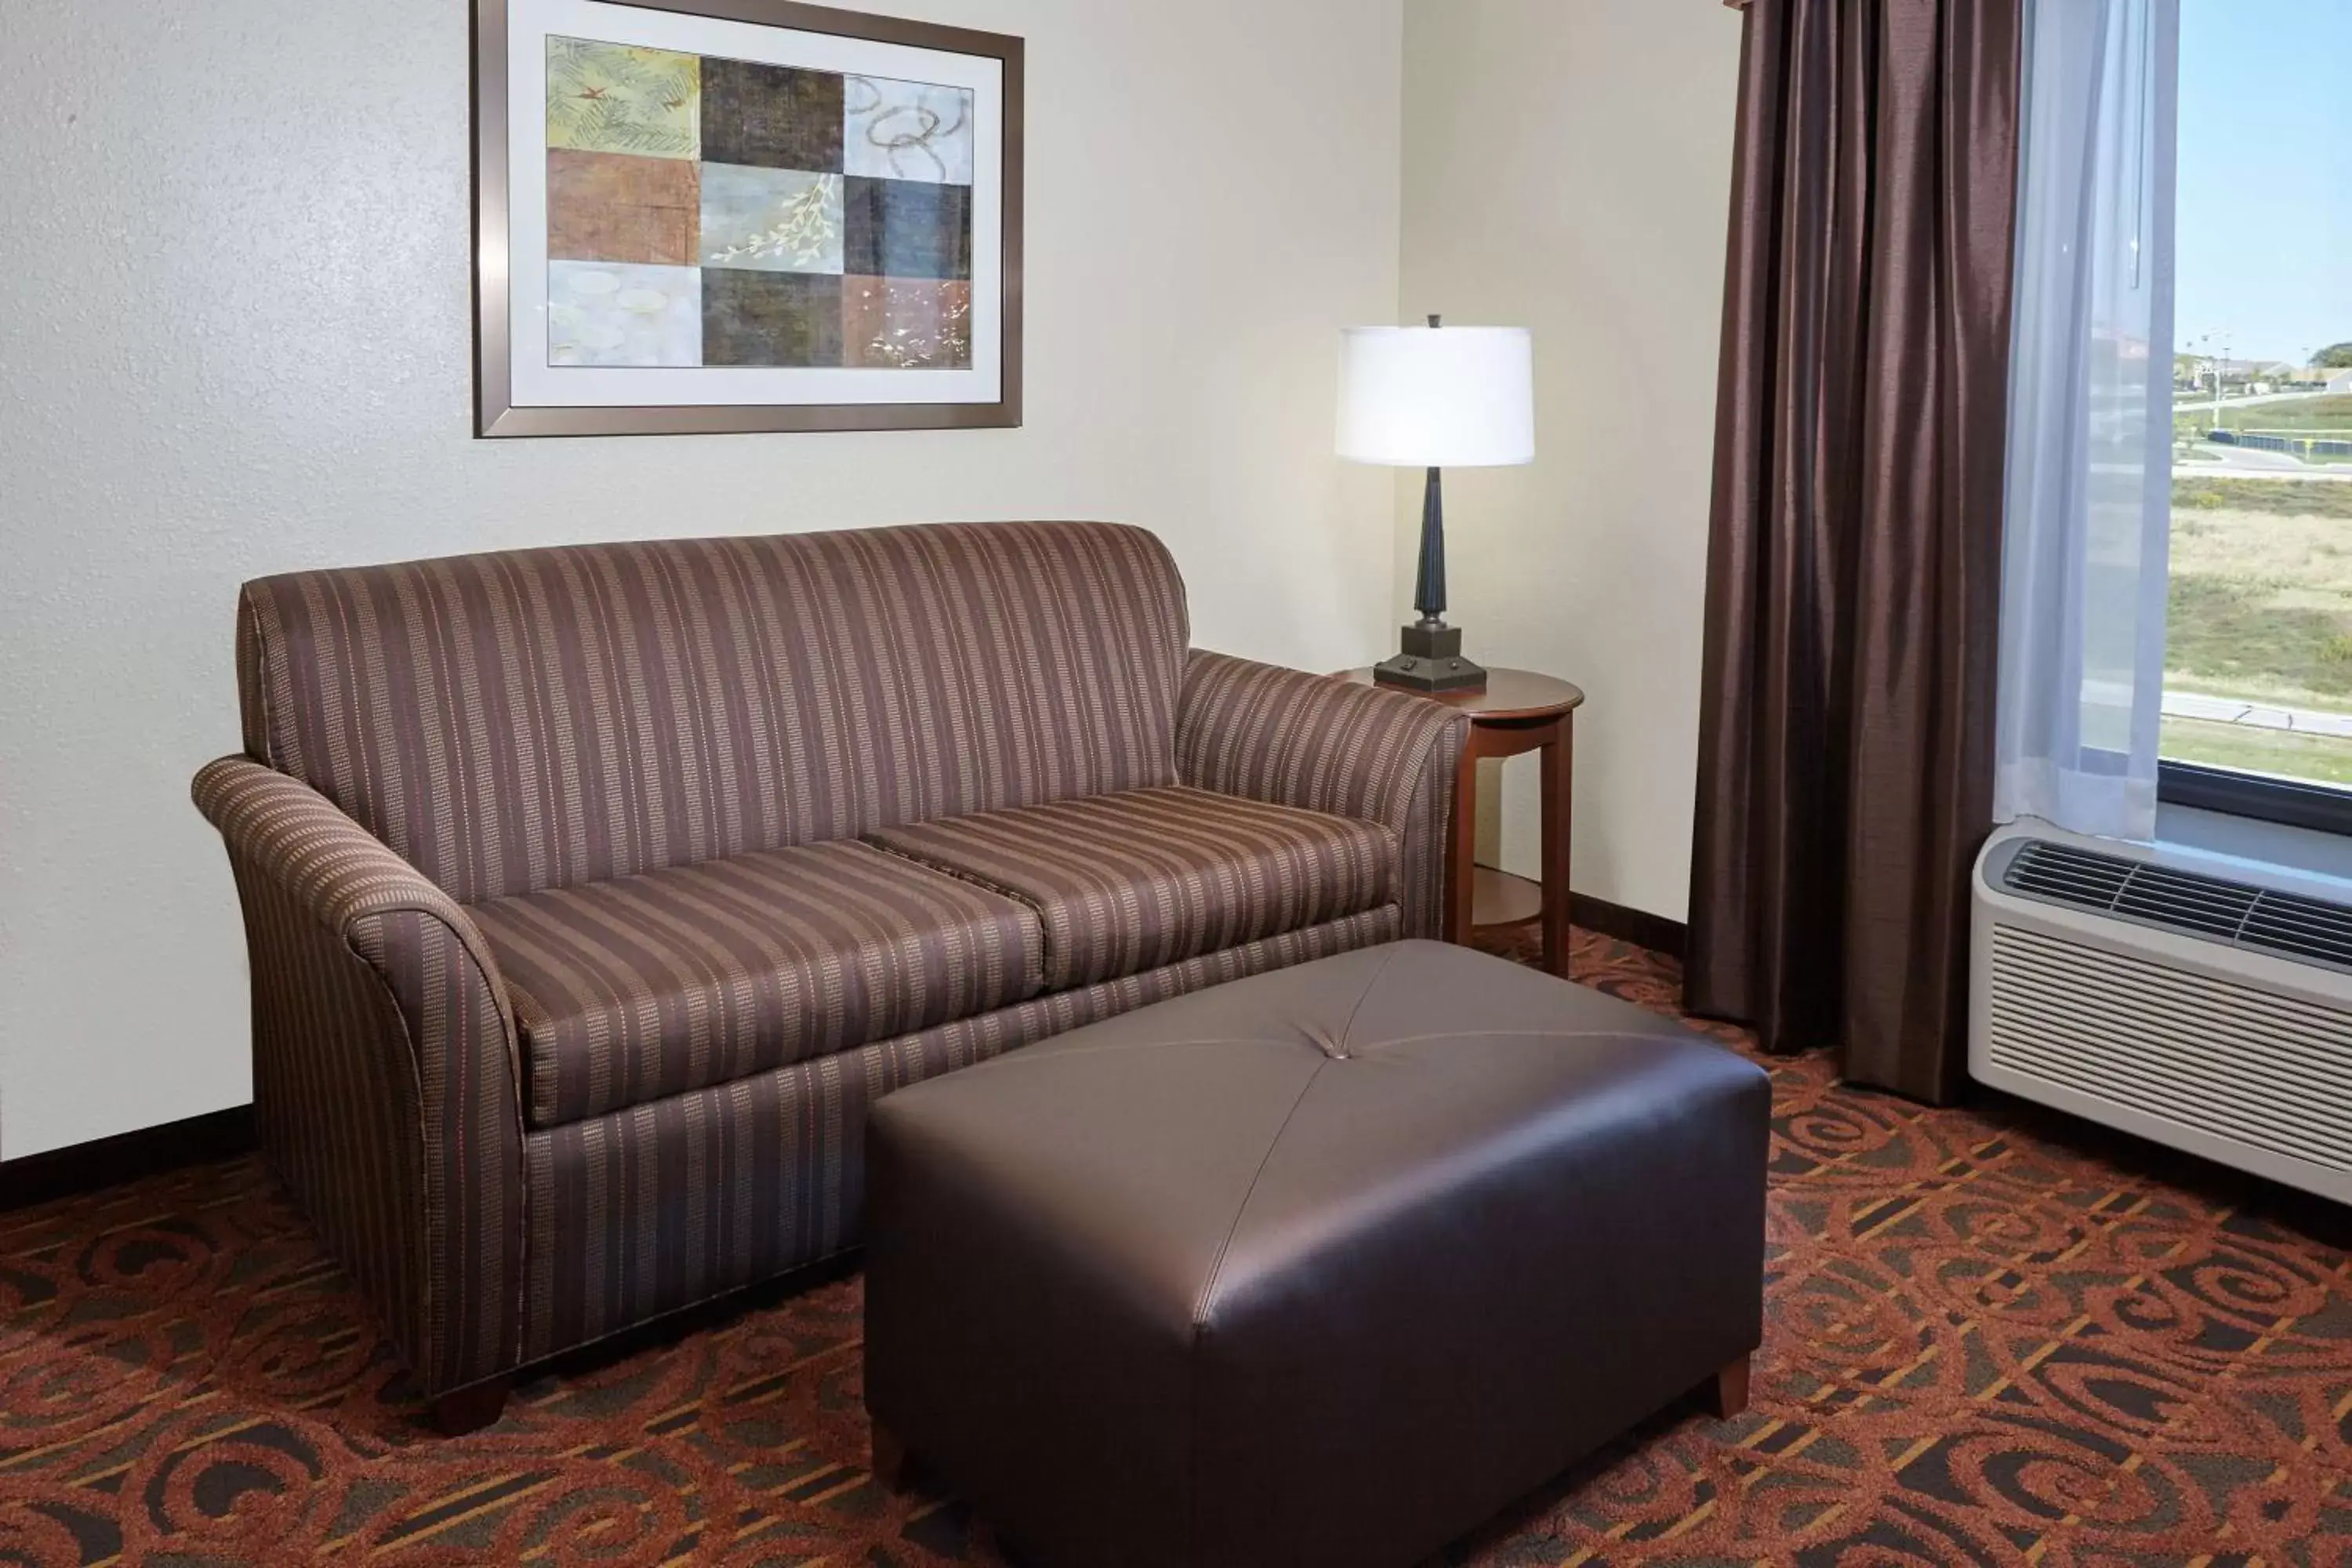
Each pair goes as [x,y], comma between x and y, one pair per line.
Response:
[1499,898]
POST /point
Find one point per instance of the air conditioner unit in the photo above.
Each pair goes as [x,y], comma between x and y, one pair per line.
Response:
[2124,985]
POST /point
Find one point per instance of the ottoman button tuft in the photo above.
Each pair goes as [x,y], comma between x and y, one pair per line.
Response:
[1335,1050]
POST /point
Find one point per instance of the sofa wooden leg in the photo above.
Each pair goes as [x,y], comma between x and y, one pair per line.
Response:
[1727,1395]
[469,1409]
[889,1461]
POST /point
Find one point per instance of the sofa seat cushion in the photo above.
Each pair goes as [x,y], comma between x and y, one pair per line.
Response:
[628,990]
[1130,881]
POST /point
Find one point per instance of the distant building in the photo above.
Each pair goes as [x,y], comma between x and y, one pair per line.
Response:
[2243,377]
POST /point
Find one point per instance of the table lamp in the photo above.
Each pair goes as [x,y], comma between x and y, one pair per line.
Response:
[1435,397]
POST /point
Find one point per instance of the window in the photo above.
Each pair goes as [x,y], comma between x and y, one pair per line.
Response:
[2257,704]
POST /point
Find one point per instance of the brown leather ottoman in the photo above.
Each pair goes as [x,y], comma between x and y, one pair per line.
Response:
[1318,1268]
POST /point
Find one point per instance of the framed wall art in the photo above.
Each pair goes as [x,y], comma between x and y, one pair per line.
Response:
[742,214]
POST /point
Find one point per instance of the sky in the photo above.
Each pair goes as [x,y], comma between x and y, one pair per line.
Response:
[2263,229]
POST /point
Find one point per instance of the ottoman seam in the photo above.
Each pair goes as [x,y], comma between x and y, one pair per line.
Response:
[1012,1058]
[1217,1269]
[1348,1027]
[1208,1296]
[1555,1035]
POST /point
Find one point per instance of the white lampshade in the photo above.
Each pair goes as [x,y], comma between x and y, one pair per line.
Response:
[1437,397]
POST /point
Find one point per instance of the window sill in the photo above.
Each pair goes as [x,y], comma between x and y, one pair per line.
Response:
[2268,854]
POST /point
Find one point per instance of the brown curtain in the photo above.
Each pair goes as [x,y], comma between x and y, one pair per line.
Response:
[1845,754]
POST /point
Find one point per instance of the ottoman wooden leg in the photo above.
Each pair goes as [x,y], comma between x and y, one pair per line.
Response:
[1727,1395]
[889,1460]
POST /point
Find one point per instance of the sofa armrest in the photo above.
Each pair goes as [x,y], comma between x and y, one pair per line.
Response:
[385,1067]
[1294,739]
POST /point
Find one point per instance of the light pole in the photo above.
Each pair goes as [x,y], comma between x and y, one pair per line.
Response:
[2204,346]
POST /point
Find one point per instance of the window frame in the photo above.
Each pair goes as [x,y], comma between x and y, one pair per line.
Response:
[2272,798]
[2264,797]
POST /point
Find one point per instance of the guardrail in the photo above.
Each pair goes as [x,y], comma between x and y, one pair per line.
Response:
[2292,445]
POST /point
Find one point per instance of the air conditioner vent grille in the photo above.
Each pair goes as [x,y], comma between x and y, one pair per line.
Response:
[2238,915]
[2230,1061]
[2300,928]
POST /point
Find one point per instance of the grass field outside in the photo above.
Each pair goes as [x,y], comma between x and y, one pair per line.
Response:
[2251,750]
[2198,493]
[2297,415]
[2261,611]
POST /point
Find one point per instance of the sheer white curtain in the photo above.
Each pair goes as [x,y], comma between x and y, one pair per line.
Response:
[2090,431]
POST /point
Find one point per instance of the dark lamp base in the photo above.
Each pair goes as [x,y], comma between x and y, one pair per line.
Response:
[1431,660]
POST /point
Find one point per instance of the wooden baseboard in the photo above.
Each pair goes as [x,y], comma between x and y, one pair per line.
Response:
[1639,927]
[103,1161]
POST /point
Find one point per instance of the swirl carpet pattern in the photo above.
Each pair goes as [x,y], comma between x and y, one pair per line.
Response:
[1992,1337]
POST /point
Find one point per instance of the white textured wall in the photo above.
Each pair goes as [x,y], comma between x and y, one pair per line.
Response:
[235,339]
[1567,168]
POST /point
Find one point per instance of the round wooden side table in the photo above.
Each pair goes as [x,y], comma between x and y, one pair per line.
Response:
[1520,711]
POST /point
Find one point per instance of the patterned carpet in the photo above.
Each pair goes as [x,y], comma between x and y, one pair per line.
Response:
[1994,1337]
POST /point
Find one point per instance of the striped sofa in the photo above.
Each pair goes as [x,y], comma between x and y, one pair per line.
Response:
[593,893]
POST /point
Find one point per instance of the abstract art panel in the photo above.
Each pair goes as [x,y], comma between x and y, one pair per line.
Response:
[612,206]
[906,131]
[771,115]
[710,224]
[612,314]
[770,318]
[902,324]
[611,98]
[769,220]
[905,228]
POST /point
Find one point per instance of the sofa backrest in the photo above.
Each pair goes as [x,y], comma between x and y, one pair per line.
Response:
[537,718]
